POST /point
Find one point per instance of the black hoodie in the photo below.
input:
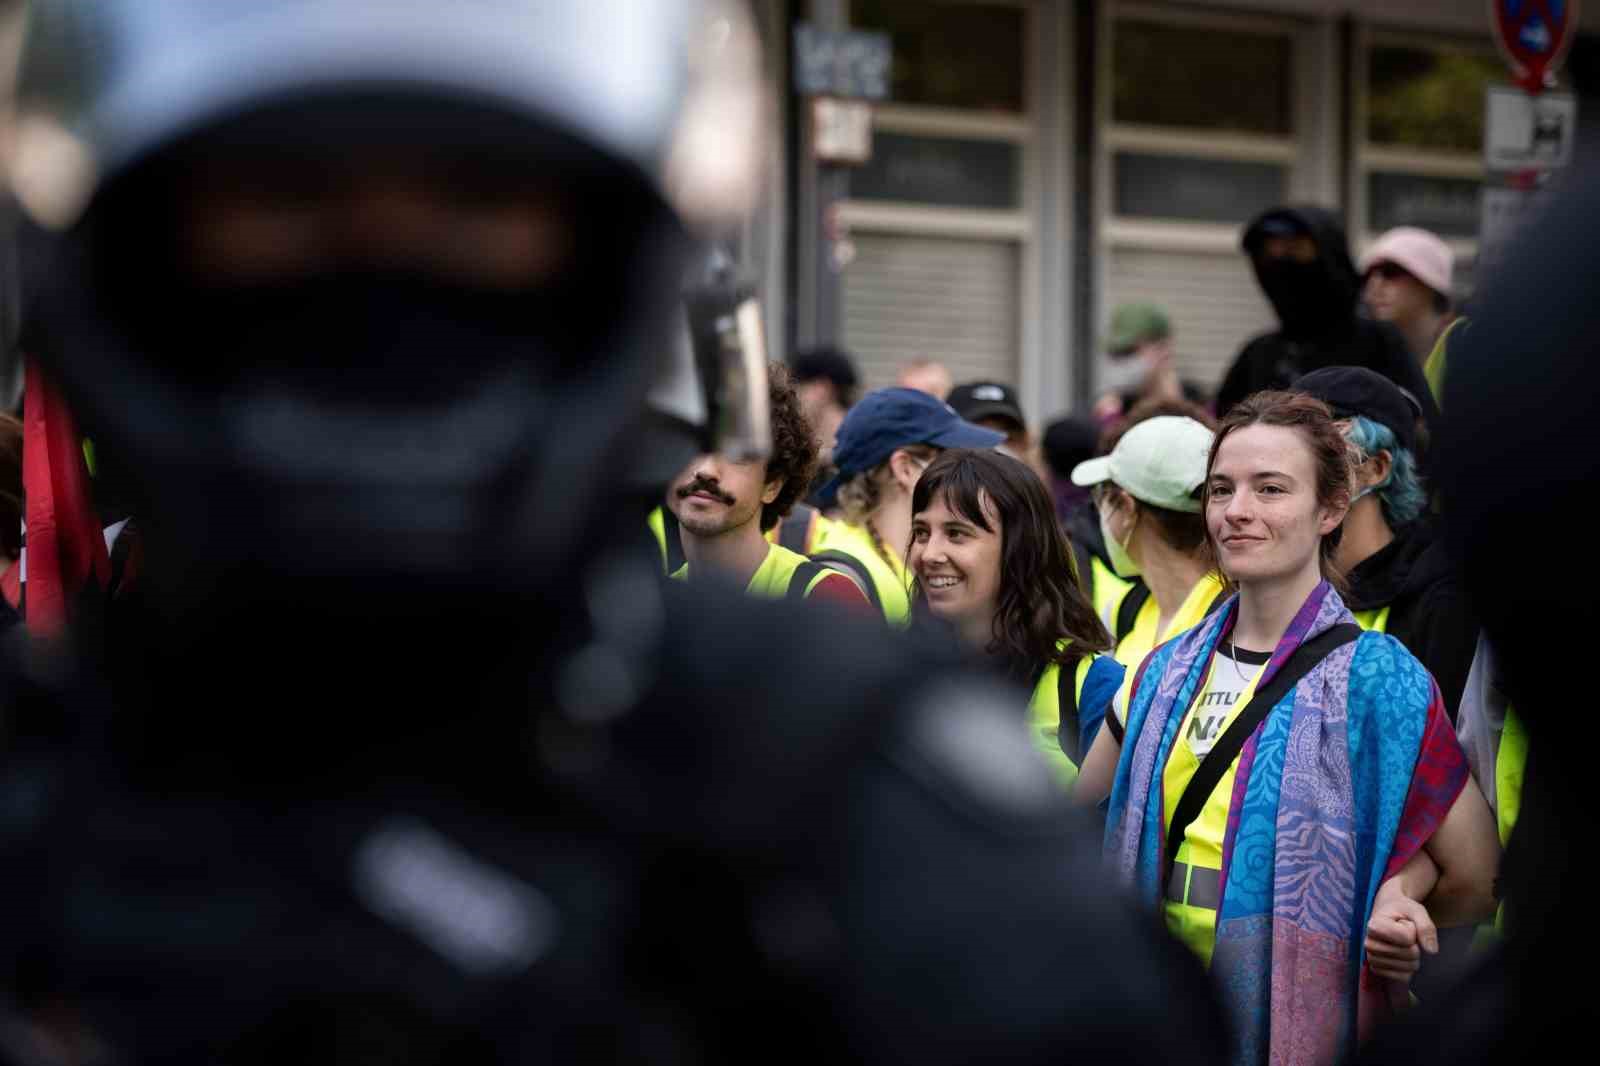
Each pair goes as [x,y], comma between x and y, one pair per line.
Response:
[1428,611]
[1319,327]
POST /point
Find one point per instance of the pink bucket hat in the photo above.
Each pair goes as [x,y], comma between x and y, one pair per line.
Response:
[1420,253]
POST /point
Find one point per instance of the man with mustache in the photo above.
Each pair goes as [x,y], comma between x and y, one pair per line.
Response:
[723,507]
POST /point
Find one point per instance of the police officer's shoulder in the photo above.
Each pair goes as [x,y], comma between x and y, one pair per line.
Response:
[758,707]
[963,740]
[774,697]
[41,708]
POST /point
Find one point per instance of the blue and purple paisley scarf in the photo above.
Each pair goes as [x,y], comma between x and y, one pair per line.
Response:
[1343,782]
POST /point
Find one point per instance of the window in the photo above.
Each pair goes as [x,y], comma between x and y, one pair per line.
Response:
[939,219]
[1200,78]
[1201,110]
[1447,206]
[1203,125]
[947,171]
[1418,136]
[1204,190]
[949,54]
[1429,98]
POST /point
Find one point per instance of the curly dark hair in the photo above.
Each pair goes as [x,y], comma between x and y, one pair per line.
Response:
[1040,601]
[794,448]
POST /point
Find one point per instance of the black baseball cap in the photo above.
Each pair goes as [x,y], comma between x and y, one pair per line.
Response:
[986,399]
[887,419]
[1355,390]
[1069,441]
[830,363]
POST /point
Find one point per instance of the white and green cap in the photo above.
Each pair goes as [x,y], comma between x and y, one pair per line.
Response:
[1161,461]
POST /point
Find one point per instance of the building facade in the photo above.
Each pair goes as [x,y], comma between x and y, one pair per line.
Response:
[1040,161]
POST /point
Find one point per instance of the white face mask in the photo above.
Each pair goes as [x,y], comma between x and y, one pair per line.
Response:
[1124,374]
[1370,489]
[1122,564]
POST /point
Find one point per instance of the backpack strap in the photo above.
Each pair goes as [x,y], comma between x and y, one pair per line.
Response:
[1128,610]
[673,538]
[1231,743]
[794,531]
[855,570]
[1067,702]
[800,581]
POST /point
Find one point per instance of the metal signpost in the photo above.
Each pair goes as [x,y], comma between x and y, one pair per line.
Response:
[1527,131]
[842,71]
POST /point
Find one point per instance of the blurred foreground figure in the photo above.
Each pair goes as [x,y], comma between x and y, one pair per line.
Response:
[406,754]
[1524,386]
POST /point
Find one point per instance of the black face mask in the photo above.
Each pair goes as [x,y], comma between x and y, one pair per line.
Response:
[359,427]
[375,339]
[1306,296]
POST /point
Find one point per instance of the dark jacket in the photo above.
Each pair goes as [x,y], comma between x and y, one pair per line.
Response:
[1082,527]
[1318,324]
[1428,610]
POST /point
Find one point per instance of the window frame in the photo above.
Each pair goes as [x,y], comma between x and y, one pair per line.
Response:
[1289,150]
[1367,158]
[1024,225]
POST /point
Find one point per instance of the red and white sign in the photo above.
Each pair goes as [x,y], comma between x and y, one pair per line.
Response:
[1534,36]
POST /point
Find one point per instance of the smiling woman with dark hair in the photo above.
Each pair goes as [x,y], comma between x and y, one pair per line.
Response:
[990,560]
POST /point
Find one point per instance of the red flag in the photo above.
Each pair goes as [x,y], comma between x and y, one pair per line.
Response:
[66,548]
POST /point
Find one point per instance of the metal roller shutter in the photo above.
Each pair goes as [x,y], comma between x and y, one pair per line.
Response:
[953,300]
[1212,299]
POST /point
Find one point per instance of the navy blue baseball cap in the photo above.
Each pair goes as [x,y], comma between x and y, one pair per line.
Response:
[886,419]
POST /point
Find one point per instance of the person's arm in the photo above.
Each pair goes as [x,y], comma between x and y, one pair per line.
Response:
[1466,849]
[1449,882]
[1099,767]
[1401,928]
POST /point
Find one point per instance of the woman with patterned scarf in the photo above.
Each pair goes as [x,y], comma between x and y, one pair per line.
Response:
[1307,844]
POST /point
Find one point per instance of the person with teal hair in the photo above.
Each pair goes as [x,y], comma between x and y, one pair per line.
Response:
[1401,580]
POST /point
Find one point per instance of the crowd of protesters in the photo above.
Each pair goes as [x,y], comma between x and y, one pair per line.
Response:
[1150,572]
[1165,564]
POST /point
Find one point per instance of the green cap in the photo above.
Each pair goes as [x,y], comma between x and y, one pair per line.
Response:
[1133,324]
